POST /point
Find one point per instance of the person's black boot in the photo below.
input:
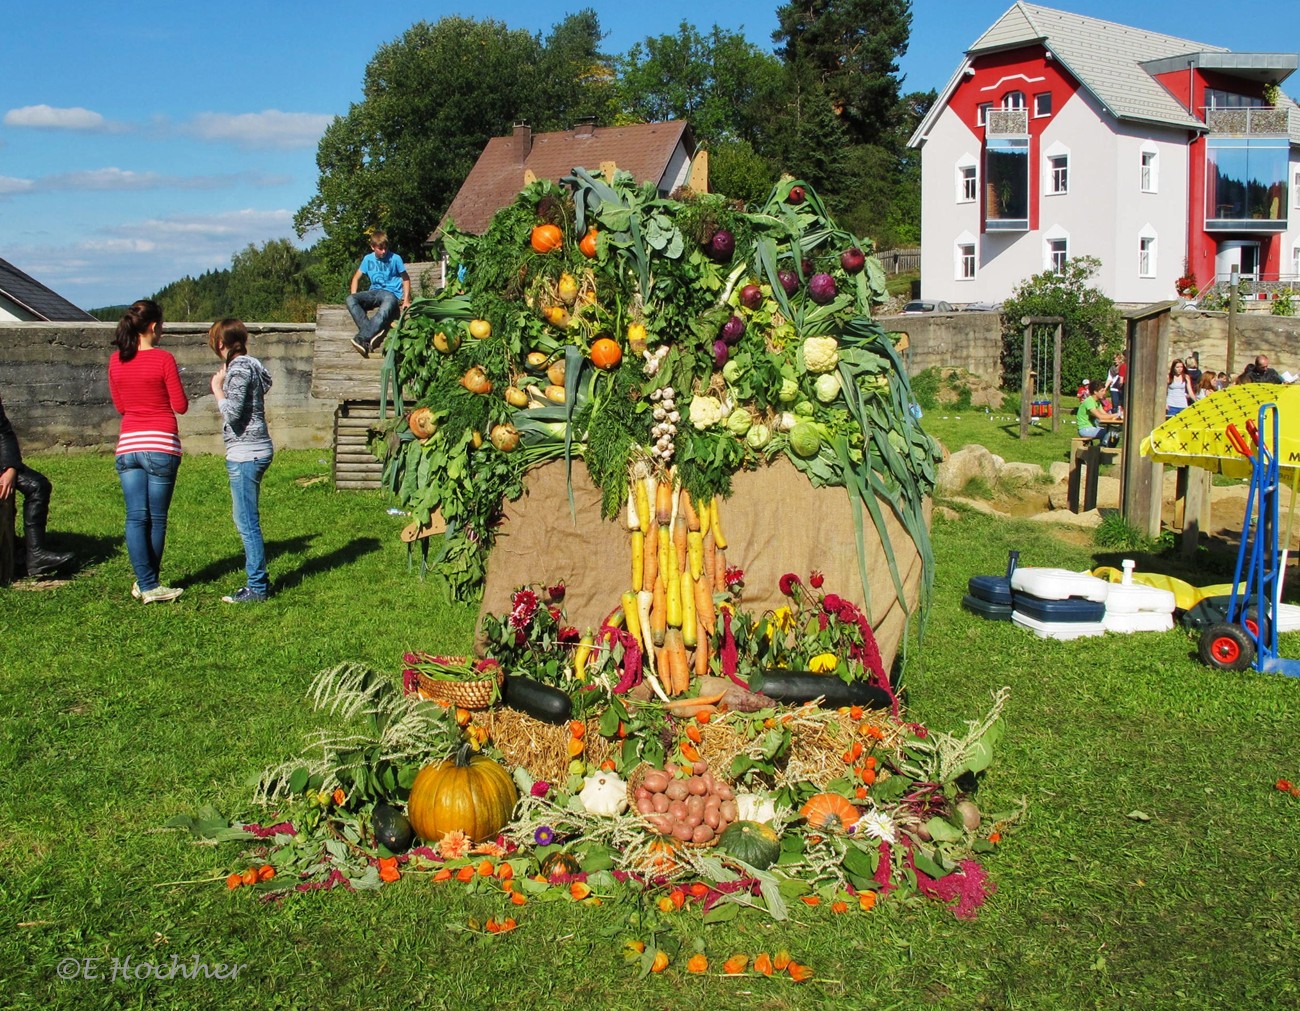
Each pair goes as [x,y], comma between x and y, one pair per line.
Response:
[35,488]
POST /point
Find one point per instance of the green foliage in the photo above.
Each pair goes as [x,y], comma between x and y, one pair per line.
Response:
[274,283]
[1092,332]
[1119,534]
[1283,304]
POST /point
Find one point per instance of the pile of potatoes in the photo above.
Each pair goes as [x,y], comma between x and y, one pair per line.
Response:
[694,809]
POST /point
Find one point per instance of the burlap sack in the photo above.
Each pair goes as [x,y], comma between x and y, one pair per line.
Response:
[775,522]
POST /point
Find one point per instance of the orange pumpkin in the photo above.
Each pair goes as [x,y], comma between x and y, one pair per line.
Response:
[473,794]
[588,244]
[829,812]
[606,354]
[421,422]
[546,238]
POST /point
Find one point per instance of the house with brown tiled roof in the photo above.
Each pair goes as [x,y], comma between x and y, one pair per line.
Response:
[662,153]
[25,299]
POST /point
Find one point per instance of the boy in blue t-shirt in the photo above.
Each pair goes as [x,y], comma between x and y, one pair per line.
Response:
[388,282]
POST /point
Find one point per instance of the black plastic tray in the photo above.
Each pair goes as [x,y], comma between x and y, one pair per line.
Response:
[994,589]
[986,609]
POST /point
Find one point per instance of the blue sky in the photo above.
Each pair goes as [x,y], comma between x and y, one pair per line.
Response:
[141,141]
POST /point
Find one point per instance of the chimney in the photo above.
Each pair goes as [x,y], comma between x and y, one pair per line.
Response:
[523,140]
[585,127]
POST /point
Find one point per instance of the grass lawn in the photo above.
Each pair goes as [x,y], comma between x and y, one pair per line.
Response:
[1157,866]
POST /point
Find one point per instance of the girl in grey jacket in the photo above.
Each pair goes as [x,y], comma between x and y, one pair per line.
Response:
[240,387]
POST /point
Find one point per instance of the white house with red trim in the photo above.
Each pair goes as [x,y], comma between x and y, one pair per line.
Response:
[1061,135]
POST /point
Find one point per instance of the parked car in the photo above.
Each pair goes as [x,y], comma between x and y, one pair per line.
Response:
[983,307]
[925,305]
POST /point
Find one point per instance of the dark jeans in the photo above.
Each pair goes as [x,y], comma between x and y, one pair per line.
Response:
[148,480]
[386,305]
[245,487]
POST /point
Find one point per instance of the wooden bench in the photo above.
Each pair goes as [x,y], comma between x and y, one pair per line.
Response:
[8,515]
[1086,458]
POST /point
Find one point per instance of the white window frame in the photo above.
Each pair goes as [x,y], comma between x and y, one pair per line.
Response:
[968,186]
[1058,175]
[1053,257]
[1295,259]
[1149,170]
[1041,99]
[981,113]
[1295,189]
[967,265]
[1013,100]
[1147,254]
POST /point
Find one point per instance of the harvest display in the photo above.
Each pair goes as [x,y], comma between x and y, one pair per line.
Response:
[713,756]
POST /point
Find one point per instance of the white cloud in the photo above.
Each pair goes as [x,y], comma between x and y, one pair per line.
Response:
[46,117]
[261,130]
[9,184]
[116,179]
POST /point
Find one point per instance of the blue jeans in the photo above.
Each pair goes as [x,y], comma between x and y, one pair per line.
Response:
[148,480]
[245,487]
[368,327]
[1090,432]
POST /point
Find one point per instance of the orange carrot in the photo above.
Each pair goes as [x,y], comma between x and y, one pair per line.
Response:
[688,511]
[719,570]
[702,653]
[710,561]
[678,664]
[679,542]
[651,549]
[704,605]
[664,503]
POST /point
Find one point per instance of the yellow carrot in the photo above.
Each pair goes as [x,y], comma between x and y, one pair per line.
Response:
[659,610]
[673,600]
[689,620]
[695,552]
[706,516]
[580,656]
[638,559]
[718,536]
[631,617]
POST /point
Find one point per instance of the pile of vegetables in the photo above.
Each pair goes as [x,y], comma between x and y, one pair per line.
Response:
[675,341]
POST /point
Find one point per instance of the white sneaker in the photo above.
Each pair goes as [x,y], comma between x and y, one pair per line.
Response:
[160,593]
[135,590]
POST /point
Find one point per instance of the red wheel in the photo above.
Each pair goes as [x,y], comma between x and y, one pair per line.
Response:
[1227,647]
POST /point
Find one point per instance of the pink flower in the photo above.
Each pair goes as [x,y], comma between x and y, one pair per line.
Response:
[734,574]
[832,602]
[523,609]
[540,789]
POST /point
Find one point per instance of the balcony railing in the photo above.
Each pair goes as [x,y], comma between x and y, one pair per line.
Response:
[1258,121]
[1006,123]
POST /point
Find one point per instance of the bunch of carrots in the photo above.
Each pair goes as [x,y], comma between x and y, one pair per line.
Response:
[678,563]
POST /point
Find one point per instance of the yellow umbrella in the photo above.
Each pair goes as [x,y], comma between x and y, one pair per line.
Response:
[1198,435]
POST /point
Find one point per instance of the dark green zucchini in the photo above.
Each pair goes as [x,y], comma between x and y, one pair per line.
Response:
[542,702]
[795,687]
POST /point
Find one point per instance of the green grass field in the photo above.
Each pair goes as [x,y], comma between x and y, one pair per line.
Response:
[1157,866]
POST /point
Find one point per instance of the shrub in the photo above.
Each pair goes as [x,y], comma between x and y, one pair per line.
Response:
[1092,332]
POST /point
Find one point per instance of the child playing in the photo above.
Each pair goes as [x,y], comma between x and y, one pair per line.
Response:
[388,281]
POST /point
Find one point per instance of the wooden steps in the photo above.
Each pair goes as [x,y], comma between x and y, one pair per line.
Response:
[354,465]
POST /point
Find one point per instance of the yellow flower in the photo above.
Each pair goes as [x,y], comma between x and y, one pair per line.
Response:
[823,663]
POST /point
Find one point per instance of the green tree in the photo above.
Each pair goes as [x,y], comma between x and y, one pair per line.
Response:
[722,84]
[263,282]
[432,100]
[852,47]
[740,172]
[1093,330]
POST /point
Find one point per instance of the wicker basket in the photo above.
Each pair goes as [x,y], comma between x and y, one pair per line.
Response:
[478,693]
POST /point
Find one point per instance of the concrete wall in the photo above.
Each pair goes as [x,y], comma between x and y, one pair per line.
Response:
[966,340]
[54,383]
[1257,333]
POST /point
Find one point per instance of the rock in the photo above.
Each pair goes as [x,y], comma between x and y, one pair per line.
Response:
[946,514]
[980,506]
[1065,518]
[1058,471]
[967,463]
[1022,473]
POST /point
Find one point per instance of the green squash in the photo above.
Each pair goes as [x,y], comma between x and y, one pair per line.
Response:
[751,841]
[392,830]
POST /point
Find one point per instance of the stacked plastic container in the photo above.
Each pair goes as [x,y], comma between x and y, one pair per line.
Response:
[1131,607]
[1058,603]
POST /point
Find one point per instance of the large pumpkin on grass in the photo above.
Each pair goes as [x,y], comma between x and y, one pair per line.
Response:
[473,794]
[753,842]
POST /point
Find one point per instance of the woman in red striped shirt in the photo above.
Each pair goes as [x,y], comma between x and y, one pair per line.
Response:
[146,389]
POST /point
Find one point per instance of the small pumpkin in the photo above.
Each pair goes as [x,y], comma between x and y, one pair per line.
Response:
[468,792]
[604,794]
[546,238]
[560,864]
[751,841]
[829,812]
[588,244]
[422,423]
[605,353]
[392,829]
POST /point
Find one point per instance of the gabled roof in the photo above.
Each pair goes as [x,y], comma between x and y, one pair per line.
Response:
[43,303]
[1105,58]
[644,149]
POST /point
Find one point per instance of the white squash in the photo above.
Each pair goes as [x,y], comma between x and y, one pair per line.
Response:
[604,794]
[752,807]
